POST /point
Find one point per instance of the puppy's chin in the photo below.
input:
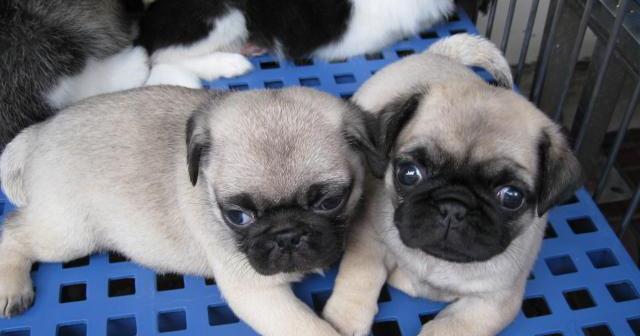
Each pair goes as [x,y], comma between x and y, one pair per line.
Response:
[267,260]
[478,236]
[305,243]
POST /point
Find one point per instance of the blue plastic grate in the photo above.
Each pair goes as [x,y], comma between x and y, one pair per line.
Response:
[339,77]
[583,283]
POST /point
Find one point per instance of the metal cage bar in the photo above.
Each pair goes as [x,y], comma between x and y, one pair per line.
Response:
[507,27]
[492,17]
[575,53]
[635,201]
[617,25]
[525,42]
[545,54]
[622,131]
[607,21]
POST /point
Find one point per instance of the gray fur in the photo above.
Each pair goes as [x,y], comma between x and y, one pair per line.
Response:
[45,40]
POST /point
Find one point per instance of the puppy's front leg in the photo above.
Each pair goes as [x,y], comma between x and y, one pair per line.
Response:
[273,310]
[477,316]
[16,290]
[354,301]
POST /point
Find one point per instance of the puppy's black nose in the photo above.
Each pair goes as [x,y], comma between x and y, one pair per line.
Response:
[290,240]
[452,212]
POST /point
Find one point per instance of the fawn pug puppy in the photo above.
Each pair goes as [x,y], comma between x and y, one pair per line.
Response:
[459,217]
[252,188]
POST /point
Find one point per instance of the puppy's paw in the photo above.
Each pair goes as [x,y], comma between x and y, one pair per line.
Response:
[125,70]
[448,327]
[216,65]
[401,281]
[433,328]
[232,65]
[16,292]
[167,74]
[134,68]
[349,317]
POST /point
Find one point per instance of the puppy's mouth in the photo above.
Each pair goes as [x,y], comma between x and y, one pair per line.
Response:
[291,239]
[294,253]
[446,251]
[440,247]
[474,237]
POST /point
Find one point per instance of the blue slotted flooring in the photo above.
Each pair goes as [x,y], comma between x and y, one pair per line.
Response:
[583,282]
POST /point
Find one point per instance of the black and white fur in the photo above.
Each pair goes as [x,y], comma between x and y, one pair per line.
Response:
[56,52]
[193,39]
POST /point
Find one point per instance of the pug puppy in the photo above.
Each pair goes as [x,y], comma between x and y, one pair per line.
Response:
[252,188]
[459,217]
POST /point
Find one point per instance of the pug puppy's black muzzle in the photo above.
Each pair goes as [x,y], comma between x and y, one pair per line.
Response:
[293,240]
[451,223]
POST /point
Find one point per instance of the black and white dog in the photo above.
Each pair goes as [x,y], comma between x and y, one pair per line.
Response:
[193,39]
[56,52]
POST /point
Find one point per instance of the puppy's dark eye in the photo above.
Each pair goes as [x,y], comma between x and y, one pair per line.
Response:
[330,203]
[238,217]
[408,174]
[510,197]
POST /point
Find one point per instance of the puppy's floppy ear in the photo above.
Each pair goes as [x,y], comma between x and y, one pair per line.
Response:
[359,129]
[560,174]
[198,137]
[393,117]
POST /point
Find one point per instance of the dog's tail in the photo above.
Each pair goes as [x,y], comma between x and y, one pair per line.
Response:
[471,50]
[12,164]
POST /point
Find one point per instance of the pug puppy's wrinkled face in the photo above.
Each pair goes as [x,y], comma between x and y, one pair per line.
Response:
[286,174]
[471,167]
[462,215]
[303,231]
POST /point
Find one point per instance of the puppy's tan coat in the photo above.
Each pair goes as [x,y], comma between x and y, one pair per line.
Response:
[145,172]
[438,115]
